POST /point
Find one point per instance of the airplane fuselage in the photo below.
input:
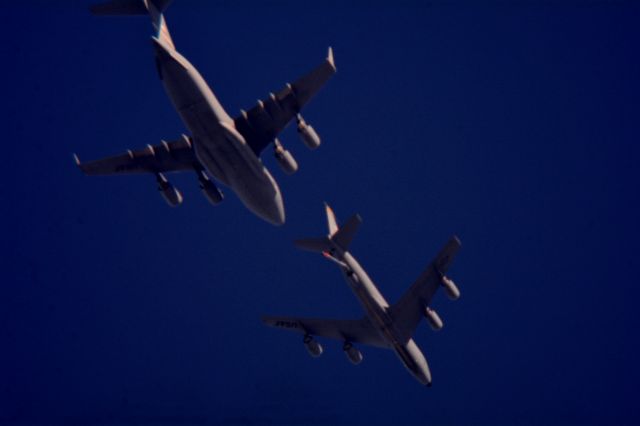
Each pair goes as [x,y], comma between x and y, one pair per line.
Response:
[218,146]
[377,310]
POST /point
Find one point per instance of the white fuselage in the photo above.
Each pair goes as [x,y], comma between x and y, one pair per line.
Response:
[377,309]
[219,147]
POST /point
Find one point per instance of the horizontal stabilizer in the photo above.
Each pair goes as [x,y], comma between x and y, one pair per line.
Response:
[119,8]
[127,7]
[154,8]
[339,236]
[318,245]
[346,232]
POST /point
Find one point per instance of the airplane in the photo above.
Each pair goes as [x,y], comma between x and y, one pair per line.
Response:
[221,147]
[385,326]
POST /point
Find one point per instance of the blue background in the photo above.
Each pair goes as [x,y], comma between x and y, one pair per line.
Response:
[512,124]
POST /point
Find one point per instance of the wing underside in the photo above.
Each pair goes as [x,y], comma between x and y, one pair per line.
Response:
[408,311]
[262,123]
[165,157]
[355,331]
[259,126]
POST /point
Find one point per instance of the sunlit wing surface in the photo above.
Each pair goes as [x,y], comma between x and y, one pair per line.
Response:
[355,331]
[262,123]
[164,157]
[408,311]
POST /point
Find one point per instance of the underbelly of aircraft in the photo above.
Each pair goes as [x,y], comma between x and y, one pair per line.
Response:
[258,191]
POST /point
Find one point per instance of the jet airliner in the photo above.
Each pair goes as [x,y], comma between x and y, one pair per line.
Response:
[219,146]
[384,325]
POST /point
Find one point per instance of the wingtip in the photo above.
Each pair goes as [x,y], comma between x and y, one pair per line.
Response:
[330,58]
[76,159]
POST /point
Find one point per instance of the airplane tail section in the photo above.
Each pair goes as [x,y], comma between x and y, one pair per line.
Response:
[318,245]
[153,8]
[332,224]
[338,236]
[345,234]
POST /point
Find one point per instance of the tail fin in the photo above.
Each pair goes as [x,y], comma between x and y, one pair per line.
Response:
[340,237]
[154,8]
[332,224]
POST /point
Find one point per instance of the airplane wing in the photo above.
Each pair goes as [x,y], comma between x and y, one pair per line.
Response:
[164,157]
[356,331]
[408,311]
[262,123]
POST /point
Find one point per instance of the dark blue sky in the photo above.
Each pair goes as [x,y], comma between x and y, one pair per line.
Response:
[512,124]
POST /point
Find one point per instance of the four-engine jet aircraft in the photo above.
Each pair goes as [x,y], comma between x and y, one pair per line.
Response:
[225,148]
[386,326]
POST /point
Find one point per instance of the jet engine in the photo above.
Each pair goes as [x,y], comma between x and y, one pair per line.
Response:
[352,353]
[450,288]
[313,347]
[209,189]
[308,134]
[170,193]
[286,161]
[433,319]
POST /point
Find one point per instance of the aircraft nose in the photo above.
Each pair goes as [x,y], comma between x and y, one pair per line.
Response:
[425,378]
[265,201]
[276,215]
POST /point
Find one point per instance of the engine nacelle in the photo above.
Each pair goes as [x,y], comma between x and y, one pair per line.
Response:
[450,288]
[313,347]
[209,189]
[434,320]
[170,193]
[352,353]
[286,161]
[308,134]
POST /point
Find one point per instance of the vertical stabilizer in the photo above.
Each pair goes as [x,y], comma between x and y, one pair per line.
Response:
[338,236]
[153,8]
[331,220]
